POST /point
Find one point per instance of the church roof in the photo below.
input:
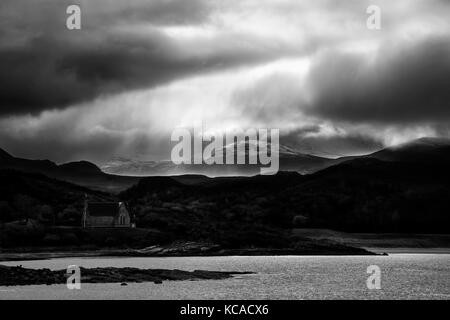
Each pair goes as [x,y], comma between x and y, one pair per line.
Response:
[103,209]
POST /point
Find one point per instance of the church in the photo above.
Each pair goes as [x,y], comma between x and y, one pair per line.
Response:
[106,215]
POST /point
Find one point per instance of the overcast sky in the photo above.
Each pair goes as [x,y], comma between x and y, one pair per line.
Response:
[138,69]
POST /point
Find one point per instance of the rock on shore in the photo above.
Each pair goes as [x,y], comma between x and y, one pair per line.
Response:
[14,276]
[301,247]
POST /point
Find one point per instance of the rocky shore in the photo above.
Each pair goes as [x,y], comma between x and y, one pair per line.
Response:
[19,276]
[186,249]
[209,249]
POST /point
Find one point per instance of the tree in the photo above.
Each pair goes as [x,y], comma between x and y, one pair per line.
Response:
[6,212]
[46,214]
[300,221]
[70,216]
[25,205]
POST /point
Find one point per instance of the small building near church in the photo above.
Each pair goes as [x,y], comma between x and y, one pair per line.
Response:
[106,215]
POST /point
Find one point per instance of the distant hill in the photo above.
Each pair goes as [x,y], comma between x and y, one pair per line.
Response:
[290,160]
[375,195]
[4,154]
[121,173]
[80,167]
[420,150]
[83,173]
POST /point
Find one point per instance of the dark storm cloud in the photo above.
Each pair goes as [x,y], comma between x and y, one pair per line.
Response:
[61,150]
[61,140]
[48,73]
[160,12]
[49,14]
[43,65]
[402,85]
[310,68]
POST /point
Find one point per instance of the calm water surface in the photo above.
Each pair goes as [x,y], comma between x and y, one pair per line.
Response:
[404,276]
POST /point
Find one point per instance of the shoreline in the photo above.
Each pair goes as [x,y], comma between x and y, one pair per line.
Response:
[409,250]
[26,256]
[198,249]
[181,249]
[6,257]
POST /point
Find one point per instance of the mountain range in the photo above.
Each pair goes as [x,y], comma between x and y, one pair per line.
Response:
[290,160]
[83,173]
[420,150]
[121,173]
